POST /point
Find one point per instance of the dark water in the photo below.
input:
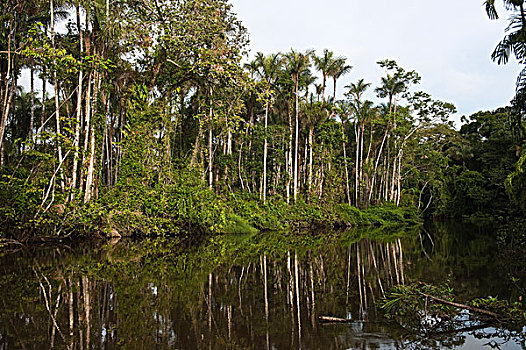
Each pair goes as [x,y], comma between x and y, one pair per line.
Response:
[247,292]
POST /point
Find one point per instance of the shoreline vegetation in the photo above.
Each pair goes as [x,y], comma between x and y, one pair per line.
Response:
[204,213]
[152,121]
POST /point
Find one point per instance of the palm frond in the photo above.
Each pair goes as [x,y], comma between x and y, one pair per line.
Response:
[512,4]
[515,23]
[501,54]
[490,9]
[521,82]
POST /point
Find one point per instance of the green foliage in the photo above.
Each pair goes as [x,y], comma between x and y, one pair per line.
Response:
[480,167]
[238,225]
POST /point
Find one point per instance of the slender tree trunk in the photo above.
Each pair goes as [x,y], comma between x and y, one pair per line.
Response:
[8,93]
[265,154]
[210,149]
[239,166]
[378,157]
[344,146]
[44,88]
[311,141]
[87,122]
[32,113]
[357,165]
[91,165]
[324,76]
[361,164]
[55,81]
[296,141]
[334,92]
[78,121]
[290,165]
[398,180]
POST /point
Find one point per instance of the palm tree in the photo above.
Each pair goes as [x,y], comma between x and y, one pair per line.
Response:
[323,64]
[359,109]
[395,83]
[338,69]
[297,63]
[268,68]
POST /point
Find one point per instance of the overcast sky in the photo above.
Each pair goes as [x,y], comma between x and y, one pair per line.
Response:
[448,42]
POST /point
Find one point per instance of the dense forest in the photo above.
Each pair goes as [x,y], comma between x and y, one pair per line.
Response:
[150,116]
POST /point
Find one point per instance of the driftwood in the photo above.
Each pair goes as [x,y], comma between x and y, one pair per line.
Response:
[463,306]
[333,319]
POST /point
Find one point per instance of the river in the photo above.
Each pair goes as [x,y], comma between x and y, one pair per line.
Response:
[262,291]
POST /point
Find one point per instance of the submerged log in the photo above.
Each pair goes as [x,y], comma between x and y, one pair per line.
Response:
[333,319]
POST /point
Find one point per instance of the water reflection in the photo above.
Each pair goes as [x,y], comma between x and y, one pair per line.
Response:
[256,292]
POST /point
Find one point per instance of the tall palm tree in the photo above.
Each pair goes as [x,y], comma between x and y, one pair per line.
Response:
[268,68]
[359,109]
[297,63]
[338,69]
[323,64]
[396,82]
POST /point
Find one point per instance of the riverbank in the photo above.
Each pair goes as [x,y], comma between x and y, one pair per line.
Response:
[174,210]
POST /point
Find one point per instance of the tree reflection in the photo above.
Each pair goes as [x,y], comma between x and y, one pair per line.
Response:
[260,293]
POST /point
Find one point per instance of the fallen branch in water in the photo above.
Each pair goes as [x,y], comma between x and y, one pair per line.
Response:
[463,306]
[333,319]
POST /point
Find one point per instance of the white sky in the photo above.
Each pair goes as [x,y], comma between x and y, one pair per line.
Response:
[448,42]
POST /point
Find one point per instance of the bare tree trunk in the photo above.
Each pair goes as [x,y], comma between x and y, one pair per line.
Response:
[311,137]
[398,180]
[44,87]
[76,141]
[55,81]
[344,146]
[265,146]
[361,162]
[91,164]
[290,165]
[32,113]
[239,166]
[8,93]
[379,155]
[357,165]
[210,150]
[296,143]
[87,121]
